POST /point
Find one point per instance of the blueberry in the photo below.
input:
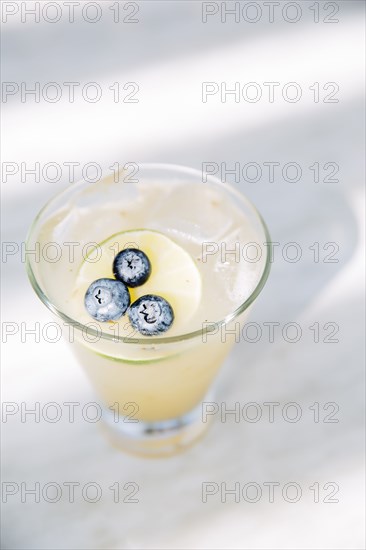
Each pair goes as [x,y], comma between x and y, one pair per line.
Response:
[107,299]
[132,267]
[151,315]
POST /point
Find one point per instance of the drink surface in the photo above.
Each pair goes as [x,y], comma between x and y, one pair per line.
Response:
[226,254]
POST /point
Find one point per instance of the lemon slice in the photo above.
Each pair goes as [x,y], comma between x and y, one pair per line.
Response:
[174,275]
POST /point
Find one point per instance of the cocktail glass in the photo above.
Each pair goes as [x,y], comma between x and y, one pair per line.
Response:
[153,389]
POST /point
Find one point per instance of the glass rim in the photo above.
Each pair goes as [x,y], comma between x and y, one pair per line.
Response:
[153,340]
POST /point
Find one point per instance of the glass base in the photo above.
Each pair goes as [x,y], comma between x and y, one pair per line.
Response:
[155,439]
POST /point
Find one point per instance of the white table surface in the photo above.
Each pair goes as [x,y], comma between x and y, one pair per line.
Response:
[169,54]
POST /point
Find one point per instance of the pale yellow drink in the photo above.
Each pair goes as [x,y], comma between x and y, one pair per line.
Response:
[164,377]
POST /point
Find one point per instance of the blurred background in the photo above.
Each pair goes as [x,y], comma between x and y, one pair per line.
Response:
[167,50]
